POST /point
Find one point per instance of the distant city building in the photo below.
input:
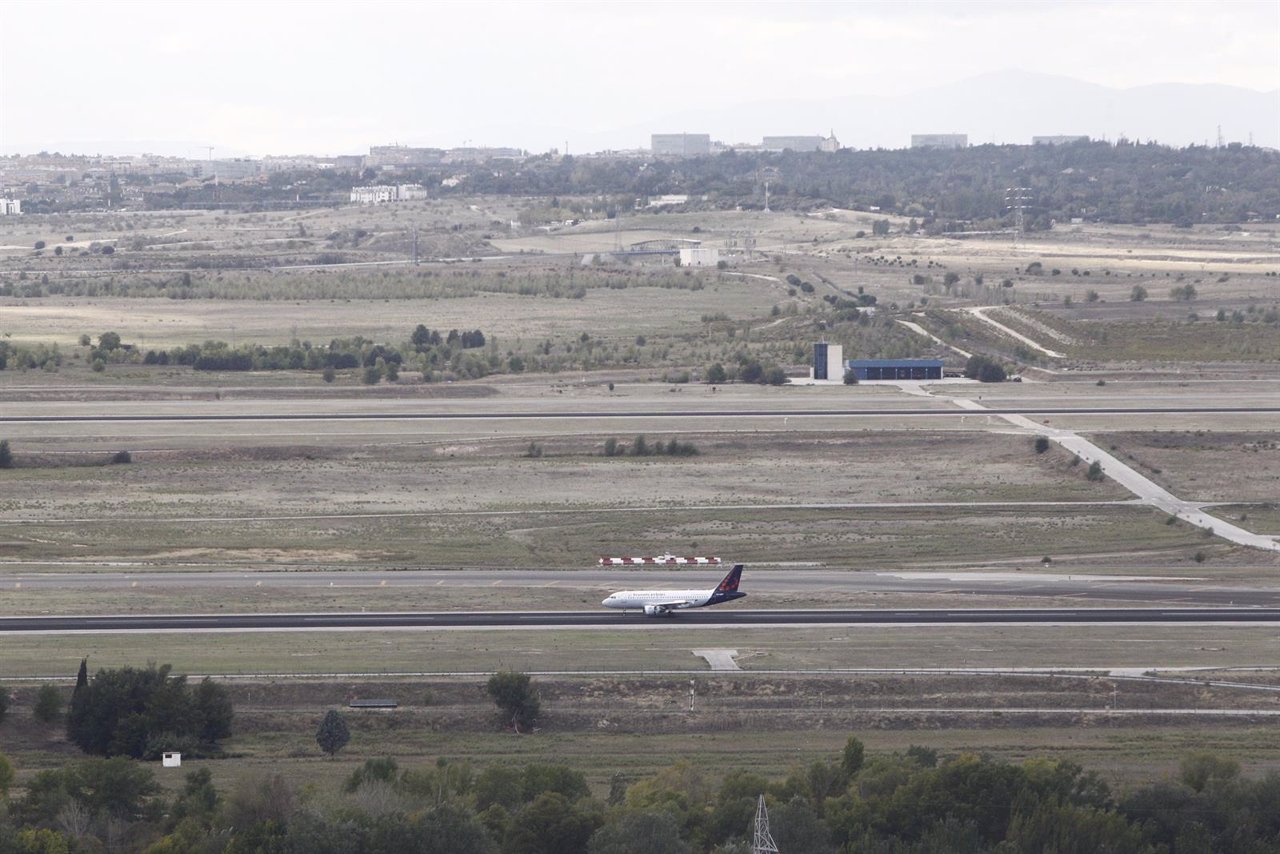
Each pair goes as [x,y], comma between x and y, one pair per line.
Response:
[10,207]
[699,256]
[680,144]
[480,155]
[226,170]
[939,140]
[1065,139]
[792,143]
[380,194]
[384,156]
[828,361]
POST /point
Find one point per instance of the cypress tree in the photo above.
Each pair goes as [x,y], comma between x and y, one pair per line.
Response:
[333,734]
[82,677]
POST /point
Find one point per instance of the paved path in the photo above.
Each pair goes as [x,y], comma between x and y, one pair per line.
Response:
[920,330]
[980,312]
[1147,491]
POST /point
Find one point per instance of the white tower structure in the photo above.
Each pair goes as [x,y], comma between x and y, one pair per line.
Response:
[762,842]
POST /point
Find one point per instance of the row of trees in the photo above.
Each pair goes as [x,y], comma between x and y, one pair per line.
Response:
[913,802]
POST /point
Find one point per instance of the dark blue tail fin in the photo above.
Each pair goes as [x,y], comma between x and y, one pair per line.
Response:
[730,582]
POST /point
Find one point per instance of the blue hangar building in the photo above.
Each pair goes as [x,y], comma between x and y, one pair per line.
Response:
[896,369]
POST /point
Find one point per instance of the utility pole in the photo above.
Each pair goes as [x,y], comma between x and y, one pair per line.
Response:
[415,246]
[762,841]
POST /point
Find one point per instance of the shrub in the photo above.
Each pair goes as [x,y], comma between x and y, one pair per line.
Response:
[1138,294]
[122,457]
[515,698]
[1041,444]
[1095,471]
[48,705]
[6,455]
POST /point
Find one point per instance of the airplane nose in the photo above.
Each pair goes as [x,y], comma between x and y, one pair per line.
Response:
[605,602]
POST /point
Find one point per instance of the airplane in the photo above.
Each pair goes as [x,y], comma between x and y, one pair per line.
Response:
[661,603]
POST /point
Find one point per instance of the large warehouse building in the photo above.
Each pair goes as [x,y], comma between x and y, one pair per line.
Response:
[896,369]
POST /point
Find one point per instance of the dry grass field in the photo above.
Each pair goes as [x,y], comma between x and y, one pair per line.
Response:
[386,492]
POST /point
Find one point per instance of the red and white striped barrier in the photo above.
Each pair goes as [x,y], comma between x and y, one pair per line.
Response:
[661,559]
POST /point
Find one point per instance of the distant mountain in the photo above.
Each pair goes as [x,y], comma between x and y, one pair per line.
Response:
[1003,107]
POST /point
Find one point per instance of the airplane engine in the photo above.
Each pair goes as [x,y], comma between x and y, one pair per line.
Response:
[656,611]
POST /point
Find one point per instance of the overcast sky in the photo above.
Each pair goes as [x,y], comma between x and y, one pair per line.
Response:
[272,77]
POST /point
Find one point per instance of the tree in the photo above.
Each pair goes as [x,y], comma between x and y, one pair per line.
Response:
[880,227]
[551,824]
[4,702]
[82,677]
[515,697]
[850,377]
[852,757]
[109,341]
[716,374]
[48,705]
[1095,471]
[333,734]
[329,374]
[639,833]
[39,245]
[1183,293]
[1198,769]
[1041,444]
[1138,294]
[214,711]
[6,455]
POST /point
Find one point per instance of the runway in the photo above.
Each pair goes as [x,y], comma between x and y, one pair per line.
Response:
[625,414]
[814,583]
[598,619]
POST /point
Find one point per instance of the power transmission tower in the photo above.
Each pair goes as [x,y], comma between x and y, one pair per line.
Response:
[1018,199]
[762,842]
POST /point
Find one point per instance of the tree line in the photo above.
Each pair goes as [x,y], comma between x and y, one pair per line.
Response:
[911,802]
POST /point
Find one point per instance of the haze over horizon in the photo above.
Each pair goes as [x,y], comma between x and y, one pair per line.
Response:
[174,79]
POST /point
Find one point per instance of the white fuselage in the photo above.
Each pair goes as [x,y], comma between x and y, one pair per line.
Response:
[666,598]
